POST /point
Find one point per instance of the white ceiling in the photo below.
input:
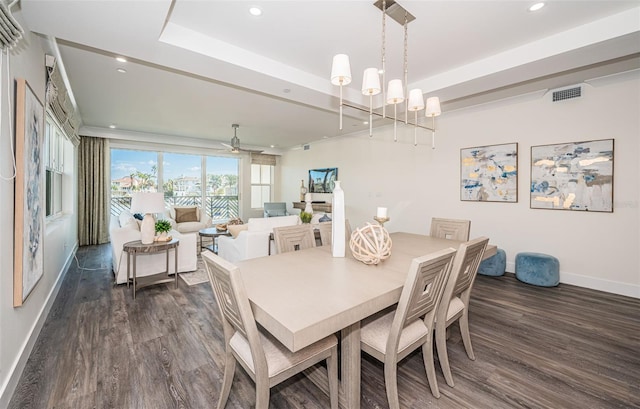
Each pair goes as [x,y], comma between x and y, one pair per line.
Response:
[196,67]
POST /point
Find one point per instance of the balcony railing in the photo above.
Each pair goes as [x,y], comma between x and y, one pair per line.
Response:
[218,207]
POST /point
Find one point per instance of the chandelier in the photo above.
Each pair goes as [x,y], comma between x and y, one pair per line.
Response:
[396,91]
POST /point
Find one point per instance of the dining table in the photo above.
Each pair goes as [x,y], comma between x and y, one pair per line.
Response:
[303,296]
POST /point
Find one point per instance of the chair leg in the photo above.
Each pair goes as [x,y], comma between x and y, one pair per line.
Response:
[443,357]
[427,356]
[332,372]
[227,380]
[391,384]
[262,394]
[466,335]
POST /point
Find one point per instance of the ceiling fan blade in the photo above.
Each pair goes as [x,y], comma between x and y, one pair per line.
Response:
[226,145]
[250,150]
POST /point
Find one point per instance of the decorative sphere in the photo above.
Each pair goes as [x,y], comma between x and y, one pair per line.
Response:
[370,244]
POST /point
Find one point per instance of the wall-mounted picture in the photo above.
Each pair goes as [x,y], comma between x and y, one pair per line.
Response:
[29,193]
[322,180]
[573,176]
[489,173]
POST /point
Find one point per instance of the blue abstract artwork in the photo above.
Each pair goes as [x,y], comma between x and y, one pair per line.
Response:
[489,173]
[573,176]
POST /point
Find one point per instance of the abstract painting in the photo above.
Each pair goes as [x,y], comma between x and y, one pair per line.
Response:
[573,176]
[29,193]
[489,173]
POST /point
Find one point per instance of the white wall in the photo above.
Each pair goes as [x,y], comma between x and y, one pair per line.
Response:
[19,327]
[596,250]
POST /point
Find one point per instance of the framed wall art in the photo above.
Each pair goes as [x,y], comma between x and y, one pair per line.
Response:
[29,193]
[573,176]
[489,173]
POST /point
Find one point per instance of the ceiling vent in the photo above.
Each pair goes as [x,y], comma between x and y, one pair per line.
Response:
[568,93]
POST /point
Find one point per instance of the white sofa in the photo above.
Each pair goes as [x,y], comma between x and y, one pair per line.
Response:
[203,220]
[254,241]
[125,228]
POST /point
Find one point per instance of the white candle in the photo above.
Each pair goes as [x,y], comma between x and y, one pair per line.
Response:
[382,212]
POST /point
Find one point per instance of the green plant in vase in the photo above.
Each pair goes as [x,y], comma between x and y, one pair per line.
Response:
[306,217]
[163,227]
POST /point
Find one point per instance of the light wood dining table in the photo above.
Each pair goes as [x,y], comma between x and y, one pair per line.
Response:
[301,297]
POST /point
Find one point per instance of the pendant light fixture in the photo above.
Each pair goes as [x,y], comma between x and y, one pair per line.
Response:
[396,91]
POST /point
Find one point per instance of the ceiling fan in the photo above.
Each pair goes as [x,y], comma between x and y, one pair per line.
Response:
[235,143]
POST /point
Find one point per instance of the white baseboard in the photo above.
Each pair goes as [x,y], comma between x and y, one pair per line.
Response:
[6,392]
[594,283]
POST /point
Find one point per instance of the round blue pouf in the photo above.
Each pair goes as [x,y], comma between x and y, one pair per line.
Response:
[494,265]
[538,269]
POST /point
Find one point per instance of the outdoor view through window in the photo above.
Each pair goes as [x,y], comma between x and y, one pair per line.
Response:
[180,176]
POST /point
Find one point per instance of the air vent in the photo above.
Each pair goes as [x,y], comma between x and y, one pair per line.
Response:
[568,93]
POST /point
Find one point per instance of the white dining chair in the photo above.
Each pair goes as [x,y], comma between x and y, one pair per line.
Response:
[392,335]
[266,360]
[325,233]
[455,300]
[452,229]
[294,238]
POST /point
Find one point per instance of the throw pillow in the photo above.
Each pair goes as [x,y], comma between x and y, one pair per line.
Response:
[172,212]
[235,229]
[186,214]
[124,218]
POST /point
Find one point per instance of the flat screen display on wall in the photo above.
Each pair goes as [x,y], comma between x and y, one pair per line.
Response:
[322,180]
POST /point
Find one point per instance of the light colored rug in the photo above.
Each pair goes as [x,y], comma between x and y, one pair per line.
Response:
[196,277]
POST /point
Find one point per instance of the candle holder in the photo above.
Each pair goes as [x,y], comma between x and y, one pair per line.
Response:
[381,220]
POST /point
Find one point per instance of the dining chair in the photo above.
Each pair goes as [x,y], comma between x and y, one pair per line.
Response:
[451,229]
[267,361]
[455,300]
[325,233]
[392,335]
[293,238]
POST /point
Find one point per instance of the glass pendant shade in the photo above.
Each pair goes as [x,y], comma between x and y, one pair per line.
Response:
[395,94]
[371,82]
[433,107]
[416,100]
[340,70]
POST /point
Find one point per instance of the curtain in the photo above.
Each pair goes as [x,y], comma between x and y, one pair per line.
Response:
[93,193]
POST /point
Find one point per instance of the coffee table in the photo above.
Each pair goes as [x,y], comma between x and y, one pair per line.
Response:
[211,233]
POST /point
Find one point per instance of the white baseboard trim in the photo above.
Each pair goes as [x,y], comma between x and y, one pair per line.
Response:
[594,283]
[7,389]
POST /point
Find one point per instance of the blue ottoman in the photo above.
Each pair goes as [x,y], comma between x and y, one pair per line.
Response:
[538,269]
[494,265]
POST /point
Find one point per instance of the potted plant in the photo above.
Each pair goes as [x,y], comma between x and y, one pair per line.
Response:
[306,217]
[162,228]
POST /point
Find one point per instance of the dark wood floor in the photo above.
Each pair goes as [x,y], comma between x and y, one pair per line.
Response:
[563,347]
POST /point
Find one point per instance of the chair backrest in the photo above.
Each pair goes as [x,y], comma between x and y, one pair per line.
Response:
[463,273]
[451,229]
[293,238]
[275,209]
[325,233]
[422,293]
[234,306]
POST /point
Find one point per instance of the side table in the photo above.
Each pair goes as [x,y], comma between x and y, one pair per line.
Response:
[211,233]
[136,247]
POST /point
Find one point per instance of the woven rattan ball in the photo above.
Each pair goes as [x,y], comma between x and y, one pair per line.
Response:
[370,244]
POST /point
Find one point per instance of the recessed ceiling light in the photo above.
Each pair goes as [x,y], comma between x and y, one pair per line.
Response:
[122,70]
[536,6]
[121,59]
[273,146]
[112,126]
[365,122]
[255,11]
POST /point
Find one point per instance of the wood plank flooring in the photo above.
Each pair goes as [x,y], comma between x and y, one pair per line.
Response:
[563,347]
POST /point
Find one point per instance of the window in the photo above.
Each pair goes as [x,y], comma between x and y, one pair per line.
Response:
[180,176]
[54,167]
[261,184]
